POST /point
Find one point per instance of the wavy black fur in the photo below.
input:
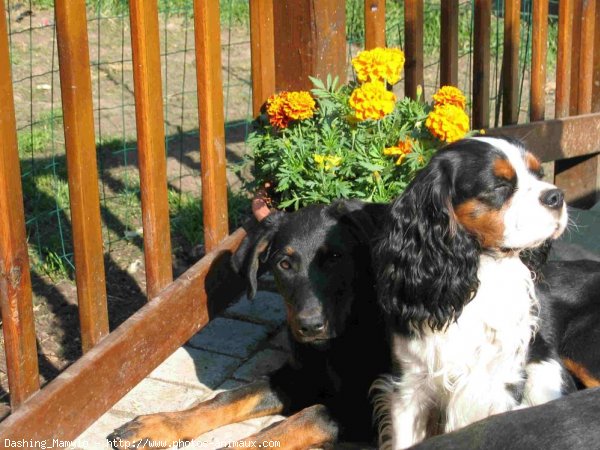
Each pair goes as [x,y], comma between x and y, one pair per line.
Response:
[426,264]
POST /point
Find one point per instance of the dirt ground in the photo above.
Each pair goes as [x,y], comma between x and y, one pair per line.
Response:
[37,100]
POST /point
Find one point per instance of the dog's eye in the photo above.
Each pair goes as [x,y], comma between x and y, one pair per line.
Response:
[335,255]
[503,189]
[285,264]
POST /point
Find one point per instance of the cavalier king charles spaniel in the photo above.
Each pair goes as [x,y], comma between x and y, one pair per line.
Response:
[460,303]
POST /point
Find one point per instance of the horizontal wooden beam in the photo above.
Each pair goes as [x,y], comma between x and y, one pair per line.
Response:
[557,139]
[88,388]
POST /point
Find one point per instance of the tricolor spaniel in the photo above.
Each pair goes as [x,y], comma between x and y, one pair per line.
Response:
[460,303]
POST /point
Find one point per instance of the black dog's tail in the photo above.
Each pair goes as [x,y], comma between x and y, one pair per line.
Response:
[381,393]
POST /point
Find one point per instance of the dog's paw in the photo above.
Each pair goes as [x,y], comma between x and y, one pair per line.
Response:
[151,431]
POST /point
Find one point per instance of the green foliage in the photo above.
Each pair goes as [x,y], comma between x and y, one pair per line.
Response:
[284,159]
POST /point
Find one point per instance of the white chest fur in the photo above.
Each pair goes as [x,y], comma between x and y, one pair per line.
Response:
[465,370]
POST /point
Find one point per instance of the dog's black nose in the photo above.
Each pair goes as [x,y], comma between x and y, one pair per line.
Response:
[552,198]
[311,326]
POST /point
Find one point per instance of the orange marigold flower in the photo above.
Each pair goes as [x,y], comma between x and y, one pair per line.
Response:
[450,95]
[372,101]
[448,123]
[379,64]
[287,106]
[299,105]
[401,149]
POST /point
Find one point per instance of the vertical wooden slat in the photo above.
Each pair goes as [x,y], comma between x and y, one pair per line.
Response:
[481,64]
[76,89]
[449,43]
[263,52]
[15,279]
[207,30]
[586,60]
[413,37]
[537,107]
[374,23]
[580,177]
[563,61]
[151,143]
[310,40]
[596,74]
[575,56]
[510,62]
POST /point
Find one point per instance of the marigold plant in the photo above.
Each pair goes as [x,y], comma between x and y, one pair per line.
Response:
[356,140]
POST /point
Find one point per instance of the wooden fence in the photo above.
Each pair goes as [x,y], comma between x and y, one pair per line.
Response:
[290,40]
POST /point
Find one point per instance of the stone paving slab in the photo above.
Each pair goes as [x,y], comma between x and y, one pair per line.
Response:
[261,364]
[152,396]
[230,337]
[94,438]
[266,308]
[196,368]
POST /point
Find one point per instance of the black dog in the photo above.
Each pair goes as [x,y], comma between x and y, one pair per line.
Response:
[320,257]
[570,422]
[569,292]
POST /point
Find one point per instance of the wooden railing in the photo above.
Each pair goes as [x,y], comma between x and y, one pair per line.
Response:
[283,55]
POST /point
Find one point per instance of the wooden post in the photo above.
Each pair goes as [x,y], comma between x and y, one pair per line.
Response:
[151,143]
[596,74]
[449,43]
[207,30]
[510,62]
[413,38]
[76,90]
[580,177]
[310,40]
[481,64]
[537,105]
[263,52]
[575,51]
[563,60]
[374,23]
[15,279]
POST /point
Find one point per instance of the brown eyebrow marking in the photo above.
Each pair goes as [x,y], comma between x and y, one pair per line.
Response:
[504,169]
[289,251]
[532,163]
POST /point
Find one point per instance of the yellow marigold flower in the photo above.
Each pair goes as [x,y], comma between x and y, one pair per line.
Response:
[450,95]
[401,149]
[327,162]
[299,105]
[379,64]
[448,123]
[372,101]
[287,106]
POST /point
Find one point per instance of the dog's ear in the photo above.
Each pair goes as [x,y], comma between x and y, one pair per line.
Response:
[255,249]
[364,218]
[426,263]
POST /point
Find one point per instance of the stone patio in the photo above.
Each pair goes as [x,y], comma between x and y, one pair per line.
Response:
[247,341]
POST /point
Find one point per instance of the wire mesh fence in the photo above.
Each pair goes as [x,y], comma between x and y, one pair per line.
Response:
[39,117]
